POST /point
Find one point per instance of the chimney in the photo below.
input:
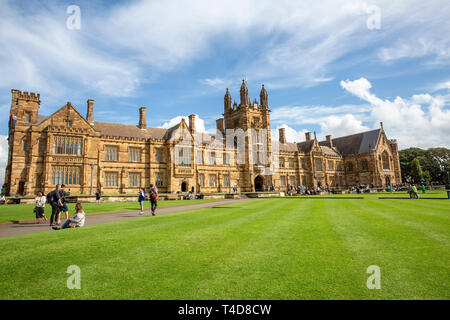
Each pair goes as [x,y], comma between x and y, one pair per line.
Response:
[192,123]
[142,122]
[329,141]
[308,136]
[282,135]
[219,124]
[90,111]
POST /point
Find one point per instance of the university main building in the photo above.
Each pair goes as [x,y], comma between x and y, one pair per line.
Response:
[118,158]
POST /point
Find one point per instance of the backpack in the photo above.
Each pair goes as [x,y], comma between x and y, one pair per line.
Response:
[153,194]
[49,197]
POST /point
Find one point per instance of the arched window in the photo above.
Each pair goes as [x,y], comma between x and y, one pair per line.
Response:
[350,167]
[385,160]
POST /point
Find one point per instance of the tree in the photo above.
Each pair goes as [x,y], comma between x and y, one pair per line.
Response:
[426,177]
[416,171]
[434,160]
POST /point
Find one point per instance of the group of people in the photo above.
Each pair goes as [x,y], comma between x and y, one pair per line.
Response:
[153,197]
[57,200]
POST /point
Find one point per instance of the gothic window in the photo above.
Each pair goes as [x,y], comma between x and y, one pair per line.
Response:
[365,165]
[183,156]
[330,165]
[27,117]
[159,180]
[318,163]
[65,175]
[212,180]
[159,155]
[350,167]
[134,180]
[291,163]
[67,145]
[41,146]
[201,180]
[111,179]
[212,158]
[281,162]
[111,153]
[385,161]
[199,157]
[283,181]
[135,154]
[226,180]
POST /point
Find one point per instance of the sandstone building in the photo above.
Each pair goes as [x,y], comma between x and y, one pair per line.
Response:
[118,158]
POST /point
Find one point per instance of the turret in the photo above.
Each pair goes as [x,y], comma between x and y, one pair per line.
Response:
[264,98]
[245,101]
[25,106]
[227,101]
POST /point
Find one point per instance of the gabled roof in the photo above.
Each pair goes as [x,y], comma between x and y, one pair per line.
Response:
[356,143]
[128,130]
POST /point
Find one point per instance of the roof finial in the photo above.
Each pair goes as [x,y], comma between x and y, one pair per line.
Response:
[381,124]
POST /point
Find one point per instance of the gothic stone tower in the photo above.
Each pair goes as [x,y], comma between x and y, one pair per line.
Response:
[253,121]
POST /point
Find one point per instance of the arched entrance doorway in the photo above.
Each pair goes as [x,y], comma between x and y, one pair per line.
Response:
[184,186]
[259,183]
[388,181]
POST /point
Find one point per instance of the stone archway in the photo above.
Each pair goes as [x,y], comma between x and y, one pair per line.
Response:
[259,183]
[184,186]
[388,181]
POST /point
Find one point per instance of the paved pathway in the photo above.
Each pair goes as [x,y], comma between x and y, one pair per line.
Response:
[9,230]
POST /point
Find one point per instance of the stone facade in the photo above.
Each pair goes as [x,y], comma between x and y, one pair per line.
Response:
[117,158]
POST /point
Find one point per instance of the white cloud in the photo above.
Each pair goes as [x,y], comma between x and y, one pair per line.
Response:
[199,123]
[445,85]
[3,157]
[217,83]
[292,135]
[339,126]
[290,43]
[422,120]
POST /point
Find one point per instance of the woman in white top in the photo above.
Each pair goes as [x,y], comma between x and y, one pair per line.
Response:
[40,201]
[76,221]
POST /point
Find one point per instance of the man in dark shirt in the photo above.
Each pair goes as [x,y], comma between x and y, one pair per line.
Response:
[153,198]
[55,201]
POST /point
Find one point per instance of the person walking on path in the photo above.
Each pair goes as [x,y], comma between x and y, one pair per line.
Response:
[141,200]
[54,198]
[98,195]
[40,207]
[153,199]
[76,221]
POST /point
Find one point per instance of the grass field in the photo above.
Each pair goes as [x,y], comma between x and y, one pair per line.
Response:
[262,249]
[18,212]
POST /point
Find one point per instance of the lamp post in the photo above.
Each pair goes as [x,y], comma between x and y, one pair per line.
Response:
[92,177]
[229,182]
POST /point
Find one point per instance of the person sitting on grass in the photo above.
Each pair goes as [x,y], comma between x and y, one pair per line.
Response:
[2,200]
[40,207]
[76,221]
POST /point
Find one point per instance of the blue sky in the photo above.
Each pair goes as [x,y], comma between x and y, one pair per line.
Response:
[323,67]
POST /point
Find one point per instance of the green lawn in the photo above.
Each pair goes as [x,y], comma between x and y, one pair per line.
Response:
[262,249]
[17,212]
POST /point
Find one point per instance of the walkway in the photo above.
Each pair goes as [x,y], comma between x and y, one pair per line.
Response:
[9,230]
